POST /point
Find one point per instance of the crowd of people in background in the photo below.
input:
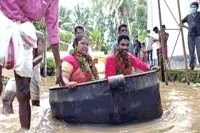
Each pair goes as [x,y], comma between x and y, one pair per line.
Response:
[150,48]
[79,65]
[147,50]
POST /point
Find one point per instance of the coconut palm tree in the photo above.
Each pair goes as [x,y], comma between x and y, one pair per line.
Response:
[65,22]
[131,12]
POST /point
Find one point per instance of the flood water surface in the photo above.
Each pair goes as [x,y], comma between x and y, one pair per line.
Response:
[180,103]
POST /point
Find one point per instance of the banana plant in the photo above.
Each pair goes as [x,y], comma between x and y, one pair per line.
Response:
[95,39]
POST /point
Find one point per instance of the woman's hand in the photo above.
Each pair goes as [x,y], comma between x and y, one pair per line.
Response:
[72,85]
[155,68]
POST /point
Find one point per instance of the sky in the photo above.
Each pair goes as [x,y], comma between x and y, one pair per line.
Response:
[72,3]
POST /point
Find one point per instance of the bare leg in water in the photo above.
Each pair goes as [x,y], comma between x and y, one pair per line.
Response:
[8,97]
[23,96]
[1,84]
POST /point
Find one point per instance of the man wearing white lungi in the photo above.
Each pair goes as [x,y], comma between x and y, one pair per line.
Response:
[10,89]
[17,40]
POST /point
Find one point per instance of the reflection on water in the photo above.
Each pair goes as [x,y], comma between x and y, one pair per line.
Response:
[180,104]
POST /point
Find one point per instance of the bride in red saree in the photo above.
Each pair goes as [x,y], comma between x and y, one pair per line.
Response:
[79,67]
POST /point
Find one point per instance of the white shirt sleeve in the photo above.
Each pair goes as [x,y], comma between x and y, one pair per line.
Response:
[90,52]
[70,47]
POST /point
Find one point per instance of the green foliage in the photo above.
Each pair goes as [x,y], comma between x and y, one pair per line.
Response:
[179,75]
[105,49]
[142,35]
[65,22]
[95,38]
[66,37]
[103,17]
[63,46]
[139,23]
[40,26]
[51,66]
[98,19]
[80,15]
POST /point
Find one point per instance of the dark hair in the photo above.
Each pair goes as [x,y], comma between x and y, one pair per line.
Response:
[78,38]
[78,27]
[195,3]
[163,27]
[121,37]
[122,25]
[155,28]
[148,31]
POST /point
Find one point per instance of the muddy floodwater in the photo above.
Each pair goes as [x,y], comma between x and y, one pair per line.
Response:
[181,114]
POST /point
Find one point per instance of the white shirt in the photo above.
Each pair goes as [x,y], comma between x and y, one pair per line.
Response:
[154,48]
[149,41]
[70,47]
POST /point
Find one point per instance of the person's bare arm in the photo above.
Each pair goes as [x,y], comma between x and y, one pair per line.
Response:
[155,40]
[66,77]
[56,53]
[185,20]
[52,27]
[40,48]
[184,26]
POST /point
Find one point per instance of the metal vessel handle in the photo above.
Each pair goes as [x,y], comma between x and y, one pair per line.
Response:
[116,82]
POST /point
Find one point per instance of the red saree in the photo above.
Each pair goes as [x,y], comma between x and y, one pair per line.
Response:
[80,67]
[70,65]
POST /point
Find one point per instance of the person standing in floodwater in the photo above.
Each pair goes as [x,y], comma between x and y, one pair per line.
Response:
[17,30]
[137,47]
[149,40]
[193,21]
[10,89]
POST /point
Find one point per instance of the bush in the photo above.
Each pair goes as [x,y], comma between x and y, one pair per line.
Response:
[105,49]
[51,66]
[179,75]
[63,46]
